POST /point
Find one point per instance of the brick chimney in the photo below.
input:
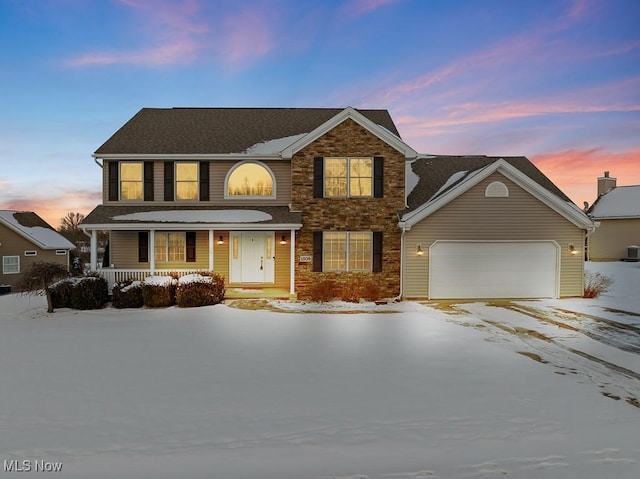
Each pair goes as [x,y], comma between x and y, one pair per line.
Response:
[605,184]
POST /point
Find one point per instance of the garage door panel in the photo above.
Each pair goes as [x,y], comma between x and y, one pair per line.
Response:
[493,270]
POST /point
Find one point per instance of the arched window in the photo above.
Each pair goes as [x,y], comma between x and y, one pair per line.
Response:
[250,179]
[497,189]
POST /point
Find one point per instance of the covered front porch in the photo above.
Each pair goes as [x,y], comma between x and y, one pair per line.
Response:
[254,254]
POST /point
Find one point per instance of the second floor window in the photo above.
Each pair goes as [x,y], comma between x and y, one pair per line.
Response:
[131,181]
[348,177]
[250,179]
[186,181]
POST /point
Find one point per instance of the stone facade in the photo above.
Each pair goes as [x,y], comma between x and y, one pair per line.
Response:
[349,139]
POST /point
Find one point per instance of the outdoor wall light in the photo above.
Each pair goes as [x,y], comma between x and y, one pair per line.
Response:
[220,240]
[572,249]
[419,251]
[283,240]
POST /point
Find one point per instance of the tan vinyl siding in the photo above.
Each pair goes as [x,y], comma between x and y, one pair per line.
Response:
[14,244]
[123,250]
[610,240]
[283,260]
[472,216]
[218,170]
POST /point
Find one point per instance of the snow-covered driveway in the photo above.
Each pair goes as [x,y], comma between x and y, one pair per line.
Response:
[218,392]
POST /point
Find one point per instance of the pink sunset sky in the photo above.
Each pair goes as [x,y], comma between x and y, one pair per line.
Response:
[557,81]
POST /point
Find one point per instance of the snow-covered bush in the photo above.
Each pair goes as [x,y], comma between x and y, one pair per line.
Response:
[90,292]
[200,290]
[61,292]
[159,291]
[127,294]
[595,284]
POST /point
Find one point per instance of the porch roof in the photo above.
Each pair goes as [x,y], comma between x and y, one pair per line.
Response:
[131,217]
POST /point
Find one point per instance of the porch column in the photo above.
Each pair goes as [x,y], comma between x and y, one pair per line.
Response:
[152,251]
[94,250]
[292,274]
[211,250]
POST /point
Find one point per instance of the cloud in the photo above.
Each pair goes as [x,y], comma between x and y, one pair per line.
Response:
[182,32]
[356,8]
[575,171]
[50,206]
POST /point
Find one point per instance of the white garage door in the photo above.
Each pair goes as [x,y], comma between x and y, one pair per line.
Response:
[493,270]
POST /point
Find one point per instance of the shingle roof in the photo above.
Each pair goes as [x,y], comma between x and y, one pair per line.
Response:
[219,130]
[134,214]
[435,172]
[620,202]
[35,229]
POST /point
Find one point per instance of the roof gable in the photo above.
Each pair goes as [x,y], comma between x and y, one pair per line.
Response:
[30,226]
[226,131]
[461,181]
[620,202]
[392,139]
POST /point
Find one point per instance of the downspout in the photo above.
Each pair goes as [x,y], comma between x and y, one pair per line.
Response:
[402,260]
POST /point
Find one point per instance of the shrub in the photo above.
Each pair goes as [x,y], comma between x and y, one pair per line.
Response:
[371,290]
[200,290]
[596,284]
[61,293]
[159,291]
[127,294]
[90,292]
[323,291]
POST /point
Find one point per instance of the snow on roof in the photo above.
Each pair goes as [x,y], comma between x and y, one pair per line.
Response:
[273,146]
[197,216]
[453,179]
[620,202]
[46,238]
[412,179]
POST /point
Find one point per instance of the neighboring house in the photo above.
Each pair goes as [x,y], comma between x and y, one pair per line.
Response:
[26,238]
[617,210]
[283,197]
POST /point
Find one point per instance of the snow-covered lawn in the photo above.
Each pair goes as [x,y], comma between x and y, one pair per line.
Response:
[525,390]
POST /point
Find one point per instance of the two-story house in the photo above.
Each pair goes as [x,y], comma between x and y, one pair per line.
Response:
[278,198]
[264,196]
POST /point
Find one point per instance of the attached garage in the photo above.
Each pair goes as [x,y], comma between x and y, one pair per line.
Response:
[494,269]
[480,227]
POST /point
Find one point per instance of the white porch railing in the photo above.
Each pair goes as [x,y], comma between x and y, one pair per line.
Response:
[113,275]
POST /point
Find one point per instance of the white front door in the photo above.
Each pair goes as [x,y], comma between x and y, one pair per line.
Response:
[251,257]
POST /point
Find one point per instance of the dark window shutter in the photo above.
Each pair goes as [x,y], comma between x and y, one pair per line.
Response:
[378,176]
[318,177]
[148,180]
[113,181]
[377,251]
[317,251]
[191,246]
[143,246]
[168,181]
[204,181]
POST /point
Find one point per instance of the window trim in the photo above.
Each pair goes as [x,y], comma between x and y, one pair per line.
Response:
[61,252]
[348,177]
[347,252]
[120,181]
[496,189]
[176,181]
[227,196]
[4,265]
[31,252]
